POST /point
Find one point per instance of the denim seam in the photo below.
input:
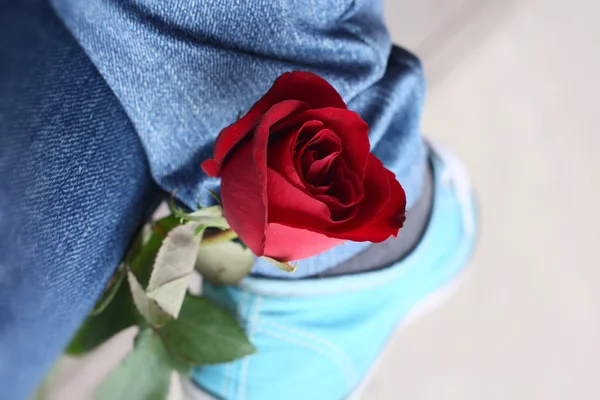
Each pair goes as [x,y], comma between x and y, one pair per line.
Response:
[343,367]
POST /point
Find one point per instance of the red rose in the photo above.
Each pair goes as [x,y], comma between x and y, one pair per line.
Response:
[297,177]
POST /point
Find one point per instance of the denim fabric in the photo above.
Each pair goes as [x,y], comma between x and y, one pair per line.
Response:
[74,186]
[184,69]
[82,136]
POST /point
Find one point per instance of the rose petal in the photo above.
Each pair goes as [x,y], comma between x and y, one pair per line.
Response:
[292,206]
[377,194]
[342,188]
[281,151]
[389,221]
[286,243]
[302,86]
[242,198]
[244,180]
[342,179]
[350,128]
[319,169]
[322,150]
[376,228]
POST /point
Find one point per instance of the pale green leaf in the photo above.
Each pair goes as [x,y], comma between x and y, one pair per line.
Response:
[214,211]
[212,222]
[224,263]
[182,367]
[205,334]
[207,216]
[117,279]
[141,264]
[145,374]
[199,230]
[147,307]
[172,268]
[169,296]
[116,310]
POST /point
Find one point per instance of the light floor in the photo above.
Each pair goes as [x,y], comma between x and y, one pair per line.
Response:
[521,107]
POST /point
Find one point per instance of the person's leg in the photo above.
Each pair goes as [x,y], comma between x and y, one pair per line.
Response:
[183,70]
[74,187]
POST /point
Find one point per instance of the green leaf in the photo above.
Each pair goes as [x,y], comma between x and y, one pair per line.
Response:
[148,308]
[224,263]
[145,374]
[205,334]
[181,366]
[116,311]
[199,230]
[119,276]
[110,291]
[119,314]
[141,264]
[207,216]
[173,267]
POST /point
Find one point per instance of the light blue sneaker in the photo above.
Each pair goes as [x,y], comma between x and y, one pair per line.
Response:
[320,339]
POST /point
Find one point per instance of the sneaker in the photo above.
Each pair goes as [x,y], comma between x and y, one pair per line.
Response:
[320,339]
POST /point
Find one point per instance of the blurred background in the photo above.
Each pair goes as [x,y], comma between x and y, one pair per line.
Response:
[512,90]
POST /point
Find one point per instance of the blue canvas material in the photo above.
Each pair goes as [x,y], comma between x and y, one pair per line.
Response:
[104,103]
[316,339]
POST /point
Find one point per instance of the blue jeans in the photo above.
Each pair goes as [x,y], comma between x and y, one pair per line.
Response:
[102,104]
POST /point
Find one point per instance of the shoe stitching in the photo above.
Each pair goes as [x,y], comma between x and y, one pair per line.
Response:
[229,367]
[344,358]
[250,329]
[225,389]
[310,346]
